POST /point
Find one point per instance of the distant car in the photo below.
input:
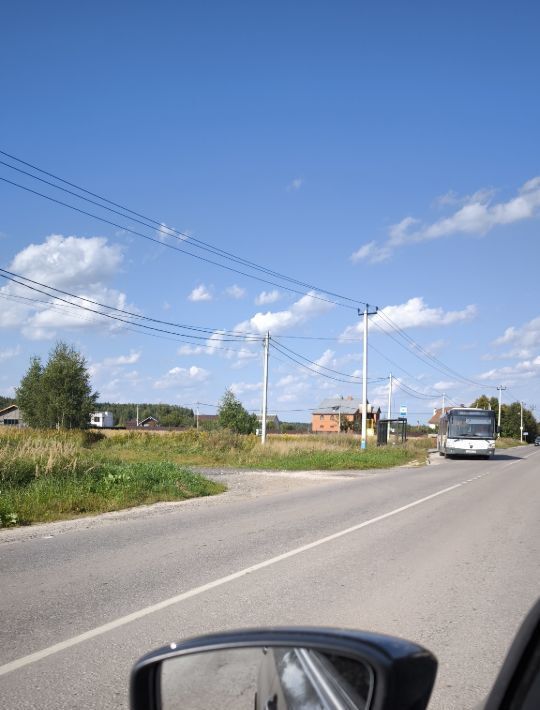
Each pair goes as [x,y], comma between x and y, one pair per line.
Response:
[537,441]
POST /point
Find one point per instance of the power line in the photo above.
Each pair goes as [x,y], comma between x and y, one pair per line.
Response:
[188,338]
[169,231]
[152,223]
[329,369]
[234,335]
[277,347]
[436,362]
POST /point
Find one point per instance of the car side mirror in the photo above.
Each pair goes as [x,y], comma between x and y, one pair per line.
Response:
[277,669]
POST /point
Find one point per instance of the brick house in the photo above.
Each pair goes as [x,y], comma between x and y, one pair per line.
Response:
[433,423]
[334,411]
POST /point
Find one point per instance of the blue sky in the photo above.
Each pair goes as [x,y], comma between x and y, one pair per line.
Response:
[384,151]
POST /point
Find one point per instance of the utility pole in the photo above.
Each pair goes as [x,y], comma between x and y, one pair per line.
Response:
[197,410]
[137,415]
[500,388]
[364,374]
[442,410]
[389,408]
[521,423]
[265,387]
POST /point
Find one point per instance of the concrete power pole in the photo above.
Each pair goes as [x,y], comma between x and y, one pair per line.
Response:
[521,423]
[389,408]
[442,410]
[364,374]
[500,388]
[197,416]
[265,387]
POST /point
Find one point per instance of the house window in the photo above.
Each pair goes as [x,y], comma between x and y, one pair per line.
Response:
[321,417]
[96,419]
[11,422]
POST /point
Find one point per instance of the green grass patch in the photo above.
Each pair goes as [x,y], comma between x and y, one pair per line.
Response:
[284,452]
[47,476]
[506,443]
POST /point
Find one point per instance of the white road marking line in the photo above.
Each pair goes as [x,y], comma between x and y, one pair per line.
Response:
[146,611]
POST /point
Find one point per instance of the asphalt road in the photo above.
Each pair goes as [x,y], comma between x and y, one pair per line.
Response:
[447,555]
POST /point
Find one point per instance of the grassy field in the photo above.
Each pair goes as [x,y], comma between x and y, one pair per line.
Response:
[48,476]
[281,452]
[506,443]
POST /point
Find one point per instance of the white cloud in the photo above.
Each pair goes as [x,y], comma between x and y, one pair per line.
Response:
[452,198]
[287,398]
[436,346]
[163,233]
[295,184]
[8,353]
[200,293]
[267,297]
[235,291]
[476,215]
[525,336]
[524,369]
[307,307]
[445,385]
[287,381]
[67,262]
[130,359]
[372,252]
[182,377]
[112,366]
[240,388]
[414,313]
[81,265]
[191,350]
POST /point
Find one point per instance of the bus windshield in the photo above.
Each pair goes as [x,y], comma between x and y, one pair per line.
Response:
[464,425]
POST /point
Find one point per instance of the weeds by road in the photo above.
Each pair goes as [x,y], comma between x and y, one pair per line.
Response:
[48,476]
[283,452]
[506,443]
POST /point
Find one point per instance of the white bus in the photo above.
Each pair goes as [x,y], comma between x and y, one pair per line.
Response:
[467,432]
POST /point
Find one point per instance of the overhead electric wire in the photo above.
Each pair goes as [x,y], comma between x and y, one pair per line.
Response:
[310,369]
[168,231]
[416,346]
[234,335]
[184,337]
[174,248]
[329,369]
[73,309]
[153,224]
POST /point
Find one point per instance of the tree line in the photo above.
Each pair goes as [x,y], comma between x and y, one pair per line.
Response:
[58,394]
[510,417]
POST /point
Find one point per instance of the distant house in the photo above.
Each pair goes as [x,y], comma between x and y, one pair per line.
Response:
[336,411]
[272,422]
[102,419]
[433,423]
[149,423]
[11,416]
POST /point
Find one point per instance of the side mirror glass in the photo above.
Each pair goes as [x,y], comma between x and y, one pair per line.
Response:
[285,669]
[265,679]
